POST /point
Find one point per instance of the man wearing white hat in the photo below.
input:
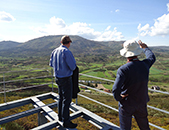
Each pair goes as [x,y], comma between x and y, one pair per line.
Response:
[131,85]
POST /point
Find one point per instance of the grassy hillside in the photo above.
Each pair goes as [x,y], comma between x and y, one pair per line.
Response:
[44,45]
[29,122]
[80,47]
[99,59]
[5,45]
[100,68]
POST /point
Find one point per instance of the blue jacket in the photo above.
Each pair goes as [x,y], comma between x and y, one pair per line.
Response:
[63,62]
[132,79]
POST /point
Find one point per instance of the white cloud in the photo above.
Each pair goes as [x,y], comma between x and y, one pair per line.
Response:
[167,6]
[58,26]
[160,27]
[20,38]
[108,28]
[58,22]
[144,28]
[6,17]
[110,35]
[117,10]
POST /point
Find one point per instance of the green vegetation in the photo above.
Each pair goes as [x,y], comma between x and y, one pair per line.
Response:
[96,59]
[29,122]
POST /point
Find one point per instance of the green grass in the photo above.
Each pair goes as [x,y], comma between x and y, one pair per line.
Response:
[108,86]
[154,71]
[159,71]
[157,76]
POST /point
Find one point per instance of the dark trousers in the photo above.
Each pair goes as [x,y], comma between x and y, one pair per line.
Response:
[65,98]
[140,113]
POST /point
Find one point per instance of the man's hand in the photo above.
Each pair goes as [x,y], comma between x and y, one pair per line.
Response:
[123,96]
[142,45]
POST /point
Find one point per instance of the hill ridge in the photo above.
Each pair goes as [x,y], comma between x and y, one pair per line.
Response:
[43,46]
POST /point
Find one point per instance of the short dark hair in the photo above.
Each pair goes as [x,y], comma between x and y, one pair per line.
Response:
[65,39]
[65,42]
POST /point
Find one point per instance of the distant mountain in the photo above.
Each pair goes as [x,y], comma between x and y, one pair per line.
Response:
[160,48]
[79,45]
[43,46]
[5,45]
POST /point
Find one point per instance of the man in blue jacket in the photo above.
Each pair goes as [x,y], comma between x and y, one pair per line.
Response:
[64,64]
[131,85]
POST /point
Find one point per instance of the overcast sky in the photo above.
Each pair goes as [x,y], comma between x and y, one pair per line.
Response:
[100,20]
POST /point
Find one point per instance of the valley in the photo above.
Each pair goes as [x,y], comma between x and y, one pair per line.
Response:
[96,59]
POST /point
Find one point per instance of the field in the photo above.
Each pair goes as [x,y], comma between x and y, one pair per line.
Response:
[159,72]
[158,76]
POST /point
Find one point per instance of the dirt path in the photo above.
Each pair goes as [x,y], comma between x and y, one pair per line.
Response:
[100,86]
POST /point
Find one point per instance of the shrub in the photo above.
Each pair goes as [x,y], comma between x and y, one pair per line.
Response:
[13,126]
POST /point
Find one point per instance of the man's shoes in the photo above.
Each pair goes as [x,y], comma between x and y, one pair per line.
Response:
[69,125]
[60,119]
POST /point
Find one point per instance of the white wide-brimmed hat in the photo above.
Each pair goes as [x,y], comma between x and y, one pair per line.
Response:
[131,48]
